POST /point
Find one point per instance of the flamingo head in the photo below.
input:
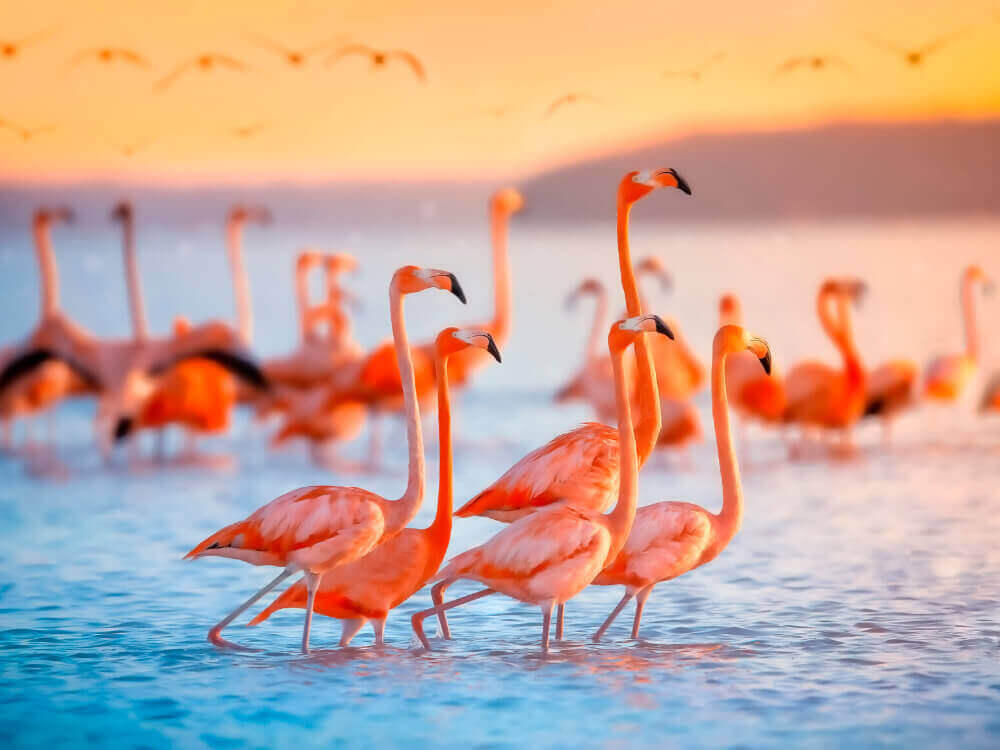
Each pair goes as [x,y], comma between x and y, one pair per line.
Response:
[731,339]
[853,289]
[338,263]
[976,273]
[452,340]
[507,201]
[181,326]
[308,258]
[637,185]
[654,266]
[240,214]
[54,215]
[625,332]
[730,309]
[410,279]
[589,285]
[122,211]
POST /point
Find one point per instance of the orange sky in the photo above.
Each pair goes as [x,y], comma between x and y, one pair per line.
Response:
[516,57]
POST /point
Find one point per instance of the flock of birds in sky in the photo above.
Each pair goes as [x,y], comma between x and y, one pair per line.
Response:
[355,550]
[336,51]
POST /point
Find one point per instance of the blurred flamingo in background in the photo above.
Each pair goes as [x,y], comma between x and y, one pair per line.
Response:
[367,589]
[669,539]
[752,395]
[549,556]
[316,529]
[991,395]
[824,397]
[947,377]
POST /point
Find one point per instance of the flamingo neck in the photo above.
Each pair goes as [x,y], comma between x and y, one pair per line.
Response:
[137,305]
[47,267]
[841,332]
[650,419]
[731,516]
[241,283]
[440,527]
[409,503]
[599,324]
[969,321]
[620,518]
[500,326]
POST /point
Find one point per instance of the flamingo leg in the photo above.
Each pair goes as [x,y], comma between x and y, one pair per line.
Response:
[640,603]
[379,627]
[437,596]
[546,623]
[350,629]
[611,618]
[215,634]
[417,621]
[560,611]
[312,583]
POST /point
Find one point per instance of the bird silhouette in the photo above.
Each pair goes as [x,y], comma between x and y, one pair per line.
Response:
[26,134]
[380,58]
[915,56]
[11,48]
[695,72]
[110,55]
[204,63]
[294,57]
[247,131]
[131,148]
[816,63]
[568,99]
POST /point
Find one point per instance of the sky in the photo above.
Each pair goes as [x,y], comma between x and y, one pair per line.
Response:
[493,71]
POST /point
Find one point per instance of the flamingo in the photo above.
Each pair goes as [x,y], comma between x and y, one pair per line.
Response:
[367,589]
[946,377]
[11,48]
[294,57]
[695,72]
[110,55]
[551,555]
[203,63]
[669,539]
[316,529]
[818,395]
[753,396]
[915,56]
[380,58]
[814,63]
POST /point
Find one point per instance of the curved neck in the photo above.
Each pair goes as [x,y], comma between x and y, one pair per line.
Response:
[440,527]
[137,305]
[731,515]
[620,517]
[410,501]
[241,284]
[969,319]
[500,326]
[598,325]
[650,419]
[831,327]
[840,328]
[47,267]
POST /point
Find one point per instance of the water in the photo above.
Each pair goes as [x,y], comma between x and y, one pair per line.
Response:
[859,604]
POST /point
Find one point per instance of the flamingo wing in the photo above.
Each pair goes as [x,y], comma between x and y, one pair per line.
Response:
[230,62]
[28,361]
[410,59]
[134,57]
[579,468]
[350,49]
[173,75]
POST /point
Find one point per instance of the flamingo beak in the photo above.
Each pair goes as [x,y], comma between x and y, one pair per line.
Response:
[765,362]
[456,288]
[672,178]
[662,327]
[491,347]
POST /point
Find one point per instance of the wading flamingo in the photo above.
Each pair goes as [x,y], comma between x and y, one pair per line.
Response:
[316,529]
[669,539]
[551,555]
[947,377]
[820,396]
[503,204]
[367,589]
[752,395]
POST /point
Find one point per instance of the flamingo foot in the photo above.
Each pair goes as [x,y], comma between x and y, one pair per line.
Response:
[216,639]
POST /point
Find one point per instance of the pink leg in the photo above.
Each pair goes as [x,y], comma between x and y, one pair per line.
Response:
[417,621]
[312,583]
[437,596]
[559,621]
[546,622]
[640,602]
[379,627]
[611,618]
[215,634]
[350,629]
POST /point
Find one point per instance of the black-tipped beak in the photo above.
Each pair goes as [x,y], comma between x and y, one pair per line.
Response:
[682,184]
[123,428]
[492,348]
[662,327]
[765,362]
[456,288]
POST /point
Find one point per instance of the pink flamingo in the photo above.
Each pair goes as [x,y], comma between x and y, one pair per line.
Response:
[367,589]
[947,377]
[670,539]
[551,555]
[752,395]
[317,529]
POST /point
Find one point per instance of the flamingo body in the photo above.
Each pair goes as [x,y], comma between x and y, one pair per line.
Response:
[947,377]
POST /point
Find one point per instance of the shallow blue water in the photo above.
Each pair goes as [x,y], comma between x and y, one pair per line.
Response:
[860,604]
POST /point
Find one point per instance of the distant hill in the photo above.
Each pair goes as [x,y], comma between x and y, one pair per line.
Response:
[874,170]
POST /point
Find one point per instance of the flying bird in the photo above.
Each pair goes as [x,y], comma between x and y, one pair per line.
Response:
[296,57]
[914,56]
[26,134]
[12,48]
[380,58]
[247,131]
[695,72]
[572,98]
[816,63]
[110,55]
[204,63]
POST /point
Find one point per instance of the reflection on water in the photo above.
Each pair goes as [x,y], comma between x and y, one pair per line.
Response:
[858,605]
